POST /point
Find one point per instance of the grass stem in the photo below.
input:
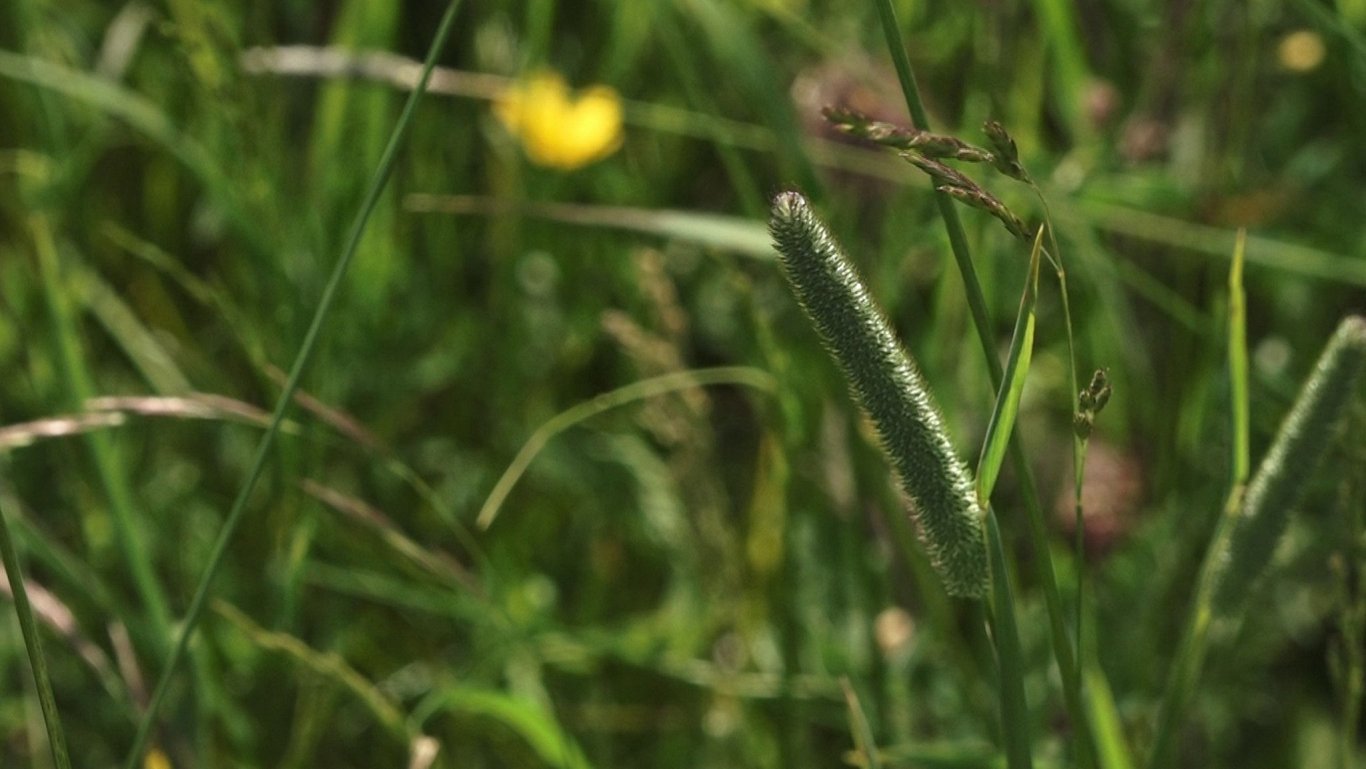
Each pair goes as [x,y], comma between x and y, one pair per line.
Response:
[235,514]
[1062,644]
[37,661]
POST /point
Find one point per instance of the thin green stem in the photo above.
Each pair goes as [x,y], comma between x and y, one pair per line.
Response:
[235,514]
[958,241]
[103,451]
[46,701]
[1005,632]
[1084,736]
[1062,644]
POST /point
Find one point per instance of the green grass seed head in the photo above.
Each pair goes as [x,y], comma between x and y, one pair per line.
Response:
[1285,472]
[888,386]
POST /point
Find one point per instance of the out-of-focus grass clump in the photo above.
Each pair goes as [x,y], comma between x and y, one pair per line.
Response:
[567,284]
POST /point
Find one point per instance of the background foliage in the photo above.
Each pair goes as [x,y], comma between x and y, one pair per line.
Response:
[684,580]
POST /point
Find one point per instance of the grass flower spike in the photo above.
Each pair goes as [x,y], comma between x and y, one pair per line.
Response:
[559,129]
[889,387]
[1282,477]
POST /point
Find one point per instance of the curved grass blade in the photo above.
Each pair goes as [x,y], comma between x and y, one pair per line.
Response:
[1107,727]
[538,728]
[864,742]
[34,645]
[1002,423]
[234,518]
[646,388]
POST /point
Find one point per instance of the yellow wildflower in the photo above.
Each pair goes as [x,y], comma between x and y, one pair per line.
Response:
[156,760]
[556,129]
[1301,51]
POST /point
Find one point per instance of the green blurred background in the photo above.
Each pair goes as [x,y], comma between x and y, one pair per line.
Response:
[682,581]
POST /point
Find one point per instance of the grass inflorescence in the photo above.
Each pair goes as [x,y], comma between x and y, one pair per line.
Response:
[890,388]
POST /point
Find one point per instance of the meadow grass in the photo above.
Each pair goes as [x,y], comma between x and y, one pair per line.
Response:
[569,480]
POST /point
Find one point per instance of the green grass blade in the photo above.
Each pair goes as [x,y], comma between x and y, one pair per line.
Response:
[234,518]
[732,233]
[1005,632]
[328,666]
[109,465]
[1002,423]
[1237,361]
[531,721]
[1106,725]
[1062,30]
[646,388]
[143,115]
[34,645]
[864,741]
[1218,242]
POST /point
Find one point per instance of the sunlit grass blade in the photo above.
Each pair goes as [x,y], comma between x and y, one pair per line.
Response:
[1290,258]
[732,233]
[1237,362]
[864,741]
[1002,423]
[538,728]
[933,756]
[646,388]
[34,646]
[1005,633]
[329,666]
[1107,727]
[306,348]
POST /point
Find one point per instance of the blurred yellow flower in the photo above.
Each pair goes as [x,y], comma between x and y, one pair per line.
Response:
[1301,51]
[156,760]
[557,129]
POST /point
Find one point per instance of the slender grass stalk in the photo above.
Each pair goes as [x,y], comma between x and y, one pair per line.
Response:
[864,741]
[108,464]
[1062,30]
[1351,658]
[1062,645]
[889,387]
[235,514]
[34,645]
[1251,524]
[1237,363]
[1005,632]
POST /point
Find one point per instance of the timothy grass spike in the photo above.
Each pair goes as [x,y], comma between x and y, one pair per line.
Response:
[1281,478]
[890,389]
